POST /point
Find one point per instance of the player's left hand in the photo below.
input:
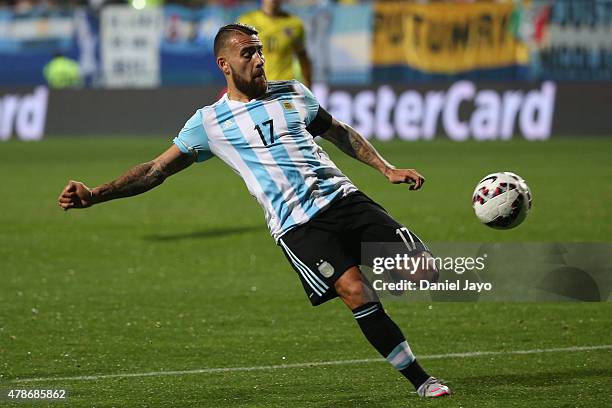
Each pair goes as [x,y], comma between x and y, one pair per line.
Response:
[408,176]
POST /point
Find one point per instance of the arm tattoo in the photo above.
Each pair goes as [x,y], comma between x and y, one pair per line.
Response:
[355,145]
[135,181]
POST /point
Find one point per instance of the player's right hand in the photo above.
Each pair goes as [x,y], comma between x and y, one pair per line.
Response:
[408,176]
[75,195]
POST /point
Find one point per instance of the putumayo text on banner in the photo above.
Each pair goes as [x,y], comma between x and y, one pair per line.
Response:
[446,38]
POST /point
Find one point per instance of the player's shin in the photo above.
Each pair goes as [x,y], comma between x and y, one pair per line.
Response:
[388,340]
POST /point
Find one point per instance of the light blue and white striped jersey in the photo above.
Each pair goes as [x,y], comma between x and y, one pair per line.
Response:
[266,142]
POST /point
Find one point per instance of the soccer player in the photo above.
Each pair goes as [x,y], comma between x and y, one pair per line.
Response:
[282,35]
[264,130]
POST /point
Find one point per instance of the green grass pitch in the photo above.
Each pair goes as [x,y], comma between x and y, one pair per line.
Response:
[186,277]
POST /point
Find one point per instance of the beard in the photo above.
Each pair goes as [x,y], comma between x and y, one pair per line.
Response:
[251,88]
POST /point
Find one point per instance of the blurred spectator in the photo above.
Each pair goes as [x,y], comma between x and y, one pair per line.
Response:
[62,72]
[283,37]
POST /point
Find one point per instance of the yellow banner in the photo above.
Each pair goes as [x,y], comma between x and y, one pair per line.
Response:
[446,38]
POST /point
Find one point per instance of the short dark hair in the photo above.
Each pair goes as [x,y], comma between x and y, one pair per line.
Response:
[227,31]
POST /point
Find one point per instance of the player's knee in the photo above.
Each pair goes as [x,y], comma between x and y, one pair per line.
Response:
[351,289]
[422,267]
[354,289]
[427,270]
[430,274]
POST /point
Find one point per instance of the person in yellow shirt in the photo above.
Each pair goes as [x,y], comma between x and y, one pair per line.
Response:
[283,37]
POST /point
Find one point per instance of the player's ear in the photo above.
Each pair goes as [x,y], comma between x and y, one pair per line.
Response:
[223,65]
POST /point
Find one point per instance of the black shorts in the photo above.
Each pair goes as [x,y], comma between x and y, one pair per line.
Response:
[325,247]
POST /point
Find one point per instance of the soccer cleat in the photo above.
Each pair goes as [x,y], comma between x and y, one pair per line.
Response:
[433,388]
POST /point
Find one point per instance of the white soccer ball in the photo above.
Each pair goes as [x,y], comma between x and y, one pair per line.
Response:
[501,200]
